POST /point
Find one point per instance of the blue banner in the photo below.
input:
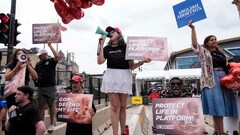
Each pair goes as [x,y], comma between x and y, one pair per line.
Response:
[188,10]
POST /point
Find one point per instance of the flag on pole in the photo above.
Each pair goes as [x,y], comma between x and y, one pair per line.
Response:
[62,28]
[66,65]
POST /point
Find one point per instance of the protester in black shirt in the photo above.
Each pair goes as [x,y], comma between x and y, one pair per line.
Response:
[24,118]
[117,79]
[12,69]
[46,83]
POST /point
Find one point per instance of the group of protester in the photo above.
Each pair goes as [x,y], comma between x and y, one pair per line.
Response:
[117,83]
[162,93]
[217,101]
[22,116]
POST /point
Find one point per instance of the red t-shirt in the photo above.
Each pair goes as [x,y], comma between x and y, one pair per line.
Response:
[154,95]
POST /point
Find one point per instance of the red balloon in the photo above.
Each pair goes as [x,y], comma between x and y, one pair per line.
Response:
[75,12]
[86,4]
[233,65]
[232,79]
[75,3]
[61,8]
[98,2]
[67,19]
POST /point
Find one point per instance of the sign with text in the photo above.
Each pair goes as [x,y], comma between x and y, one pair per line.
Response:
[181,116]
[43,32]
[137,100]
[188,10]
[149,47]
[74,108]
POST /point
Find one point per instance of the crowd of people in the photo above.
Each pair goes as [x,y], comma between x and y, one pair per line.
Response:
[156,92]
[22,117]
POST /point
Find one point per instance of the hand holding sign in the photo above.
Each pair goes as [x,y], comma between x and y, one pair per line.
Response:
[188,10]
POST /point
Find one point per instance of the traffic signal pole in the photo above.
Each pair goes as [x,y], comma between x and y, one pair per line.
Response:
[11,31]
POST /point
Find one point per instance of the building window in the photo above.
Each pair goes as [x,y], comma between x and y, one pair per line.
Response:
[187,62]
[233,51]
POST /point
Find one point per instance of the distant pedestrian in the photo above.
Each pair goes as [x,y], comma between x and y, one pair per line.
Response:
[153,95]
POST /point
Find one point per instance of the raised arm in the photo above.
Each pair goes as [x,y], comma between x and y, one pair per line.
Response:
[100,57]
[194,35]
[32,70]
[55,54]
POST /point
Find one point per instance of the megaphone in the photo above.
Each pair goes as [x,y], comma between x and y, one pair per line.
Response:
[101,32]
[22,57]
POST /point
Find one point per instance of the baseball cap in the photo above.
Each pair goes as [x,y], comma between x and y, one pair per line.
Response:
[41,51]
[76,78]
[109,29]
[26,90]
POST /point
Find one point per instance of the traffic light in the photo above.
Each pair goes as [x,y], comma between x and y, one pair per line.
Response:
[4,28]
[16,32]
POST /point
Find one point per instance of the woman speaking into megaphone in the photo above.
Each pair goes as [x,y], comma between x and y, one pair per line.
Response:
[17,74]
[117,79]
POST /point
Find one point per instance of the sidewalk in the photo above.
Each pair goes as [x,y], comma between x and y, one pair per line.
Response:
[148,110]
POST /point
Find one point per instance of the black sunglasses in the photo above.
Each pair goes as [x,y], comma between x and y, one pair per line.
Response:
[112,31]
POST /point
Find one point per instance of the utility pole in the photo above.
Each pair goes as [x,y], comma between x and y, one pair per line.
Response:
[11,31]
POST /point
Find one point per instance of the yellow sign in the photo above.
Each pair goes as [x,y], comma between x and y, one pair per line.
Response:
[137,100]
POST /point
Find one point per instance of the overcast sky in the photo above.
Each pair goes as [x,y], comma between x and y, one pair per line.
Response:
[134,18]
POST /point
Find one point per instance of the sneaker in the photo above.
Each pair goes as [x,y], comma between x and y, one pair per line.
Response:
[50,128]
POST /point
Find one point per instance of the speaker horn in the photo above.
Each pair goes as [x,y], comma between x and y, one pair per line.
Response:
[101,32]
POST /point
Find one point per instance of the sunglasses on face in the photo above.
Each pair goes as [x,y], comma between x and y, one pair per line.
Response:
[178,84]
[112,31]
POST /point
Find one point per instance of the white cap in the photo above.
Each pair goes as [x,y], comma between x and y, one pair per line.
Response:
[41,51]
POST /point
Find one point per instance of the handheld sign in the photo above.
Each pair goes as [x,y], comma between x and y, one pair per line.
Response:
[74,108]
[182,116]
[188,10]
[137,100]
[48,31]
[150,47]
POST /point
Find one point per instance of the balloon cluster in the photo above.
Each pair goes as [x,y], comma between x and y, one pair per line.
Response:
[232,79]
[72,9]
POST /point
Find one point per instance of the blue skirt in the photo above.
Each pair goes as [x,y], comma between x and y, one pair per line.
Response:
[219,101]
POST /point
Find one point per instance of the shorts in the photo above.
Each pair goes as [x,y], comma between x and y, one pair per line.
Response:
[46,95]
[117,81]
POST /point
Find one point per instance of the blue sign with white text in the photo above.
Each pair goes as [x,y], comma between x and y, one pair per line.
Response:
[188,10]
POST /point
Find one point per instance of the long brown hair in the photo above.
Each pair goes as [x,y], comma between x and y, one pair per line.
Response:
[120,40]
[218,51]
[14,55]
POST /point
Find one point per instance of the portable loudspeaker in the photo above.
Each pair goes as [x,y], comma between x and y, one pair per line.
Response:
[101,32]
